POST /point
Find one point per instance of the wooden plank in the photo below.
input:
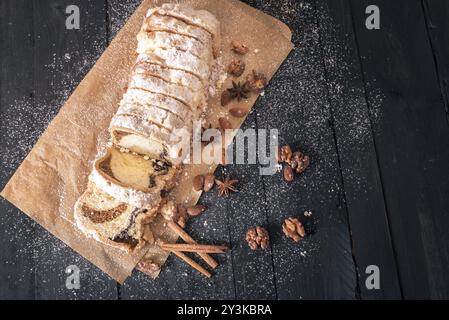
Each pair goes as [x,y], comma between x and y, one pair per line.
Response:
[18,134]
[62,58]
[357,152]
[436,13]
[253,271]
[412,139]
[321,265]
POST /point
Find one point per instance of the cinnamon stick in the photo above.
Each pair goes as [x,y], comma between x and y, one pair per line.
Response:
[193,264]
[187,238]
[193,247]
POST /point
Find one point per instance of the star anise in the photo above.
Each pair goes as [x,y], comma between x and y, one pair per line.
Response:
[238,91]
[226,186]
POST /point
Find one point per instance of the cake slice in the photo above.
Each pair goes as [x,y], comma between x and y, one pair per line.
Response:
[124,194]
[133,179]
[153,138]
[144,137]
[111,221]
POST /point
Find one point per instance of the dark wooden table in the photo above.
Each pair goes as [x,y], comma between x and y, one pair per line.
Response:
[369,106]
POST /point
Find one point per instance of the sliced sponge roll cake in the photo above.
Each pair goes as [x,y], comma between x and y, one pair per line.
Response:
[172,72]
[180,38]
[142,137]
[145,137]
[132,179]
[150,132]
[111,221]
[124,193]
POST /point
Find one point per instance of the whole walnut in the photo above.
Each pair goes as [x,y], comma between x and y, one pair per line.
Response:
[299,162]
[258,238]
[293,229]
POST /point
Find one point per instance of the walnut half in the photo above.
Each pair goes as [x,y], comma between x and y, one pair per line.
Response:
[293,229]
[258,238]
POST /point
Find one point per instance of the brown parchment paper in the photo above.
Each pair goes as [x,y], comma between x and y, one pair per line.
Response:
[54,174]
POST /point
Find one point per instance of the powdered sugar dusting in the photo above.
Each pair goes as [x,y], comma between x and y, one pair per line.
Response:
[119,14]
[24,116]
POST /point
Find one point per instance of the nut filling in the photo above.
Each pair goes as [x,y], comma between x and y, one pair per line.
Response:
[125,236]
[101,216]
